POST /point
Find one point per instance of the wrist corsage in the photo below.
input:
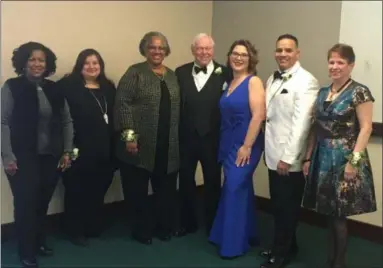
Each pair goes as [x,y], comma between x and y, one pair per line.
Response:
[129,136]
[357,159]
[74,154]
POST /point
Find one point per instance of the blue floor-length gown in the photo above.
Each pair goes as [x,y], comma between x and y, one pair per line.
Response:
[235,222]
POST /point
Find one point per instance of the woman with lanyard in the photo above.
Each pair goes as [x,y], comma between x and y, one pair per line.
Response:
[90,97]
[337,165]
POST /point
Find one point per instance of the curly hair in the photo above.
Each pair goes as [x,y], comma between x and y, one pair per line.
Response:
[253,54]
[147,39]
[23,53]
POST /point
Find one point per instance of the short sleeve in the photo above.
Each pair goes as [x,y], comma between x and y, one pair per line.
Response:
[361,95]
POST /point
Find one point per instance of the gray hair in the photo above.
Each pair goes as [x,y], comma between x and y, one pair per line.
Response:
[147,39]
[199,36]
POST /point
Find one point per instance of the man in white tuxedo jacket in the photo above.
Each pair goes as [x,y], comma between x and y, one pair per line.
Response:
[290,94]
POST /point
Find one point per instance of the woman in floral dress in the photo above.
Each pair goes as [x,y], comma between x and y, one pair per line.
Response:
[337,165]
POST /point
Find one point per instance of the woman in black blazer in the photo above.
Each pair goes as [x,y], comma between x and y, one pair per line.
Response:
[36,130]
[90,96]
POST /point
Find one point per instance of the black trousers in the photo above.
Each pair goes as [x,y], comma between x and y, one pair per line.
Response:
[32,187]
[86,184]
[148,220]
[205,150]
[286,196]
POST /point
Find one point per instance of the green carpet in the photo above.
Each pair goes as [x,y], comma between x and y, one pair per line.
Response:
[116,249]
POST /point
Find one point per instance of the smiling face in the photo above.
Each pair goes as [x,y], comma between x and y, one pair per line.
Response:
[36,64]
[286,53]
[91,68]
[239,59]
[155,53]
[203,51]
[339,68]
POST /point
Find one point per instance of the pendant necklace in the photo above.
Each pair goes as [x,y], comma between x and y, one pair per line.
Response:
[339,90]
[105,115]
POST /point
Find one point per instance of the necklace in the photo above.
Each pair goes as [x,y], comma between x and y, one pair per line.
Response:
[105,115]
[332,94]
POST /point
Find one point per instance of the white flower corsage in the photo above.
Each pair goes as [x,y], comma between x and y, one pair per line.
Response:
[224,87]
[129,135]
[286,77]
[218,70]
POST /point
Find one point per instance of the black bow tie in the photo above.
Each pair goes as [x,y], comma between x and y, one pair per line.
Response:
[198,69]
[278,75]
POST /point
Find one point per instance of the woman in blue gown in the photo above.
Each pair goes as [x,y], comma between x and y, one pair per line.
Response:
[241,145]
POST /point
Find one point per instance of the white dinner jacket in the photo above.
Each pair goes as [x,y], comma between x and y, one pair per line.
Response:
[288,117]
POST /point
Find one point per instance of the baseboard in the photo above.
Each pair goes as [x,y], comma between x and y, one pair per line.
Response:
[363,230]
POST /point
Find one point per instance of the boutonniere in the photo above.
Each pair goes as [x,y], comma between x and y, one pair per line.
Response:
[218,70]
[286,77]
[224,87]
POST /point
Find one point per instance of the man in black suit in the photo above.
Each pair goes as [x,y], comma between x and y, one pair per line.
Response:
[201,84]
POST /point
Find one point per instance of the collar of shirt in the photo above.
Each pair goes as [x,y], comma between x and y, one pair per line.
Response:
[292,69]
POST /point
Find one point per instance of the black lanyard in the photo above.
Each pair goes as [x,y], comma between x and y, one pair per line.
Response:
[339,90]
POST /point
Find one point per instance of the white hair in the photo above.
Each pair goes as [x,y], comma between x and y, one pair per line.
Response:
[202,35]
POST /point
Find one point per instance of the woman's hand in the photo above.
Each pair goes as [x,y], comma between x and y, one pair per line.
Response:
[65,162]
[11,168]
[306,168]
[350,172]
[132,147]
[243,156]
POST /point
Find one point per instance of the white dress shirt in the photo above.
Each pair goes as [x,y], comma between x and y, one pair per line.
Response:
[201,78]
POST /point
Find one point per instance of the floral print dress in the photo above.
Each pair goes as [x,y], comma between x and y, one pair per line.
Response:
[337,128]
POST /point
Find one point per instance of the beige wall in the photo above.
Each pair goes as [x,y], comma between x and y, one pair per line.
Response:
[367,45]
[113,28]
[317,26]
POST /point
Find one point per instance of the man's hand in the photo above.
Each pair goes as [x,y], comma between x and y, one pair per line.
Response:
[283,168]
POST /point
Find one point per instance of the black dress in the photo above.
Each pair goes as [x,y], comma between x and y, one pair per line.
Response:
[162,146]
[88,179]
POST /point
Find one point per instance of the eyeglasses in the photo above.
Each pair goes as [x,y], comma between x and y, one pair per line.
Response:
[239,55]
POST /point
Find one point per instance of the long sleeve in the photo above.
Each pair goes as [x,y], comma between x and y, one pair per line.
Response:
[301,122]
[68,131]
[6,114]
[123,108]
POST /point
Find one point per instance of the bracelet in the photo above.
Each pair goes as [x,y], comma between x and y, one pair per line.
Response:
[306,160]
